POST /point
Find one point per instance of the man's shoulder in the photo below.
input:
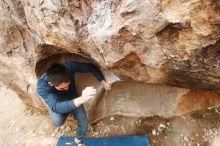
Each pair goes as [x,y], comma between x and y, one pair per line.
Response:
[42,85]
[43,77]
[42,81]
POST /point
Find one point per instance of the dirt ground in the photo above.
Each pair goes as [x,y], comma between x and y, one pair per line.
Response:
[21,125]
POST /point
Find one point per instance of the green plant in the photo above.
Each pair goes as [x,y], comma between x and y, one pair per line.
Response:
[157,120]
[169,132]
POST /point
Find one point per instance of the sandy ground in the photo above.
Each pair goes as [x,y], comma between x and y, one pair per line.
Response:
[21,125]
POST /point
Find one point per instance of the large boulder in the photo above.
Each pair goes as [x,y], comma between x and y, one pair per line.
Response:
[164,54]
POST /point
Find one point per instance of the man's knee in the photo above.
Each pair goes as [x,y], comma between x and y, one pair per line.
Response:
[58,123]
[57,119]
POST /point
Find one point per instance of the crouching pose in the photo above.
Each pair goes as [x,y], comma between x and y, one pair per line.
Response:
[57,88]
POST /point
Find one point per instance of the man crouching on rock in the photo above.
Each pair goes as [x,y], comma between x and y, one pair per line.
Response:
[57,88]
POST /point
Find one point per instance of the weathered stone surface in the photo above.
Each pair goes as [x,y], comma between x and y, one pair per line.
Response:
[166,53]
[133,99]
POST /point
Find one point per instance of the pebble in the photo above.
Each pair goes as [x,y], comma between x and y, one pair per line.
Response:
[159,129]
[53,135]
[154,132]
[95,133]
[30,132]
[17,142]
[57,130]
[209,134]
[62,127]
[140,121]
[68,129]
[42,132]
[34,134]
[168,123]
[185,138]
[183,117]
[107,129]
[123,129]
[162,125]
[112,119]
[217,111]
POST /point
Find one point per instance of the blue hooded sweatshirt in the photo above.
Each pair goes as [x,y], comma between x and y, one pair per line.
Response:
[61,101]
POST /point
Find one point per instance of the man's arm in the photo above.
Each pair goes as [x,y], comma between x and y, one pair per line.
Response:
[88,67]
[80,67]
[52,100]
[63,106]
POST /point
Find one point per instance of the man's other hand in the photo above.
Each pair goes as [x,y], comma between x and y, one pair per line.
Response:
[106,85]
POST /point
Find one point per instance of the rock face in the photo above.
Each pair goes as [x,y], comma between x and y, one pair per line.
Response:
[166,53]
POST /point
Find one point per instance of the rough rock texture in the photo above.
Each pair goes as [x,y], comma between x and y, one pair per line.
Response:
[166,53]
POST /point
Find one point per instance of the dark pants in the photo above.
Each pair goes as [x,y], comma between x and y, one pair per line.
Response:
[80,116]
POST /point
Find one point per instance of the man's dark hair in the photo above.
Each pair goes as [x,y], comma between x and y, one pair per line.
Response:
[57,73]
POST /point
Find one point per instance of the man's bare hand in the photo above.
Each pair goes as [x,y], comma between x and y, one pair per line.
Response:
[106,85]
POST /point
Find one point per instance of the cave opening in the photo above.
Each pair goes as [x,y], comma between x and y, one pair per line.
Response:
[48,55]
